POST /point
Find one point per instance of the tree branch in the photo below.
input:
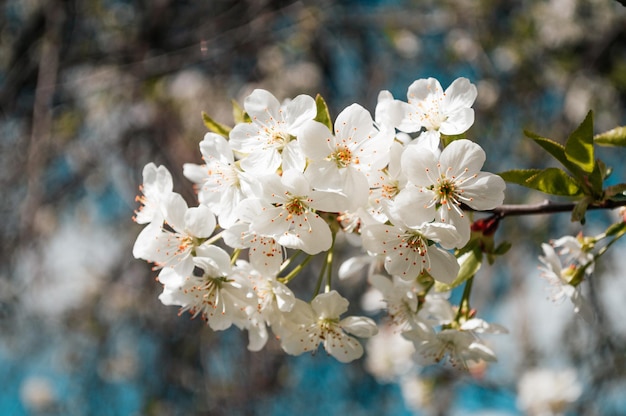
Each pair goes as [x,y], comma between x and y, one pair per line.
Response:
[548,207]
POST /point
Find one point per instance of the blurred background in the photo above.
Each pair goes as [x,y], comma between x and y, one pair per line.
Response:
[91,91]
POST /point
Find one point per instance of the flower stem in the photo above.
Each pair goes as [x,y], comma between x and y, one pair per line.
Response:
[327,269]
[295,270]
[464,305]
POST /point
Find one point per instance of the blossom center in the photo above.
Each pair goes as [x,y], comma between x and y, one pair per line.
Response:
[342,157]
[296,207]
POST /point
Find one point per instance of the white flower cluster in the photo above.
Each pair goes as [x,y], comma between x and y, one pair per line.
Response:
[565,270]
[283,183]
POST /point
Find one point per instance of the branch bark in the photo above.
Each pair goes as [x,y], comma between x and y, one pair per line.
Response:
[548,207]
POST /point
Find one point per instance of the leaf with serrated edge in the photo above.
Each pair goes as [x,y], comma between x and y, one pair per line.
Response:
[613,137]
[519,176]
[554,181]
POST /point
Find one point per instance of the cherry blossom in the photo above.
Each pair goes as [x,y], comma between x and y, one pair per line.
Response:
[288,213]
[222,185]
[441,184]
[268,142]
[458,345]
[309,325]
[173,245]
[157,184]
[411,251]
[216,294]
[430,107]
[558,277]
[345,162]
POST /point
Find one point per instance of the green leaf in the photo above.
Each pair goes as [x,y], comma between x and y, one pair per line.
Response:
[470,264]
[614,137]
[239,115]
[214,126]
[554,181]
[323,115]
[519,176]
[579,145]
[557,150]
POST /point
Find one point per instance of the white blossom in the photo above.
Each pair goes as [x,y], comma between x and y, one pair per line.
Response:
[411,251]
[431,108]
[439,185]
[309,325]
[288,213]
[558,278]
[173,245]
[216,294]
[546,392]
[346,161]
[269,141]
[157,184]
[222,185]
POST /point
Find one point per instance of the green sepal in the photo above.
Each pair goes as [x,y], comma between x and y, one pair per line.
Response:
[579,145]
[613,137]
[470,264]
[447,139]
[323,115]
[579,275]
[214,126]
[616,229]
[239,115]
[500,250]
[580,209]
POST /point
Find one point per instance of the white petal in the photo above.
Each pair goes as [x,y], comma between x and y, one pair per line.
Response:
[359,326]
[262,161]
[420,89]
[316,140]
[411,206]
[169,278]
[216,148]
[389,112]
[343,347]
[329,305]
[460,94]
[462,154]
[293,157]
[419,165]
[174,209]
[354,124]
[146,242]
[457,122]
[443,265]
[262,107]
[245,138]
[298,111]
[200,221]
[486,191]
